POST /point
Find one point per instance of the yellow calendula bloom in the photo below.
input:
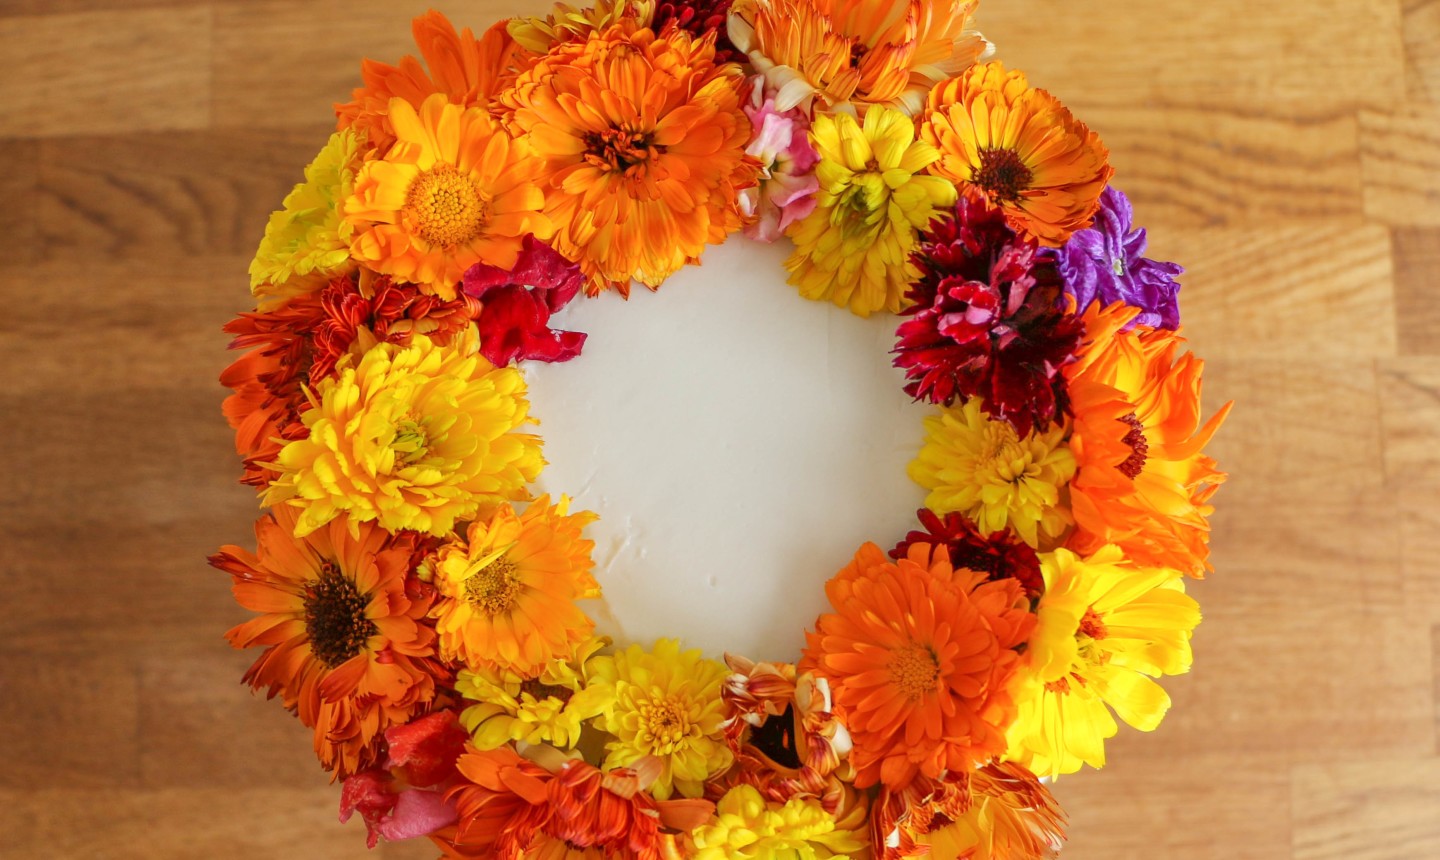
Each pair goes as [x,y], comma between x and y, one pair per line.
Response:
[854,249]
[566,23]
[748,828]
[550,708]
[983,469]
[1105,629]
[667,705]
[412,437]
[308,241]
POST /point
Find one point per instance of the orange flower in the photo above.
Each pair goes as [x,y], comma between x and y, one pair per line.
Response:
[1142,482]
[918,655]
[861,52]
[465,70]
[509,591]
[998,812]
[455,190]
[345,648]
[1020,148]
[643,139]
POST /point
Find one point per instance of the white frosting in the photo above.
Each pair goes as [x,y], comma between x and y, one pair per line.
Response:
[739,444]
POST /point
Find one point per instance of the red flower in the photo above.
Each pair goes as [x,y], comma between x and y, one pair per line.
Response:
[514,319]
[387,311]
[405,798]
[985,321]
[699,18]
[1002,555]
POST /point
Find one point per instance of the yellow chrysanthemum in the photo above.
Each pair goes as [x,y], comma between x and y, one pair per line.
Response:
[748,828]
[308,241]
[549,708]
[1105,628]
[667,705]
[566,23]
[454,190]
[986,471]
[510,588]
[854,249]
[411,437]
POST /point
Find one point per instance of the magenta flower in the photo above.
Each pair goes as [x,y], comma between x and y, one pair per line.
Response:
[787,187]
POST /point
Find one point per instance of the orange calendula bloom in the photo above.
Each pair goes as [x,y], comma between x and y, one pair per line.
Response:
[918,656]
[1142,482]
[454,190]
[1020,148]
[856,52]
[510,589]
[346,648]
[466,70]
[998,812]
[643,140]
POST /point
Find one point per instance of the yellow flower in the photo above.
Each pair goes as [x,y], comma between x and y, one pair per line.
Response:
[986,471]
[1105,628]
[565,23]
[308,241]
[854,249]
[510,589]
[411,437]
[549,708]
[667,705]
[748,828]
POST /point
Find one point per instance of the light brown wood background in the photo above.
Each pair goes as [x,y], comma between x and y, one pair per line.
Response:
[1287,152]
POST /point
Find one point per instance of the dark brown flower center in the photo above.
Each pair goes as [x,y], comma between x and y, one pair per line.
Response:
[1002,174]
[1139,447]
[335,619]
[542,691]
[617,150]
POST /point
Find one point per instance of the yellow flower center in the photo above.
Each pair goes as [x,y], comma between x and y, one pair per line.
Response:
[914,671]
[617,150]
[335,621]
[493,588]
[411,443]
[1139,447]
[446,207]
[999,449]
[666,724]
[1002,174]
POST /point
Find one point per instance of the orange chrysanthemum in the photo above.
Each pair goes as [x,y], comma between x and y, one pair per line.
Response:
[998,812]
[643,139]
[856,52]
[1141,482]
[454,190]
[1020,148]
[346,648]
[509,590]
[918,655]
[466,70]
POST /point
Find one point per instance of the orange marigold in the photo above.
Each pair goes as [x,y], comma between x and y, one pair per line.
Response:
[643,139]
[1000,811]
[918,655]
[860,52]
[346,648]
[1141,482]
[1020,148]
[466,70]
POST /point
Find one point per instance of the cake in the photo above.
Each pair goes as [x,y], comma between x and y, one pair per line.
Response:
[708,430]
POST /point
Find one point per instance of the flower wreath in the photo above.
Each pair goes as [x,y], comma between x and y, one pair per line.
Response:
[418,609]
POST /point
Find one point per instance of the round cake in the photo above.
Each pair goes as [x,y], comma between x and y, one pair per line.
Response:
[714,429]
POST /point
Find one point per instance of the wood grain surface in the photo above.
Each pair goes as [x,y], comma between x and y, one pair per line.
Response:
[1287,153]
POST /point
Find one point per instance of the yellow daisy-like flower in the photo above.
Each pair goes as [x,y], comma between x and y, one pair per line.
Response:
[667,705]
[854,249]
[411,437]
[986,471]
[748,828]
[566,23]
[510,589]
[308,241]
[454,190]
[1105,628]
[549,708]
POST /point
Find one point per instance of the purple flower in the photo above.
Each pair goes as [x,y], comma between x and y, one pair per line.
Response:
[1106,263]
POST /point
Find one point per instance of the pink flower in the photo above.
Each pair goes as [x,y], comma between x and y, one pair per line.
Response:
[781,142]
[406,798]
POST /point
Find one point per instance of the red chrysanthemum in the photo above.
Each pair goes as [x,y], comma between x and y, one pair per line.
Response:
[986,321]
[1002,555]
[387,312]
[516,304]
[699,18]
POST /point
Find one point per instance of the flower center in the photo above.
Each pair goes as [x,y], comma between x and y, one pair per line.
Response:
[667,724]
[541,691]
[335,619]
[493,588]
[1000,447]
[1091,625]
[1117,265]
[446,207]
[411,442]
[617,150]
[914,671]
[1139,447]
[1002,174]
